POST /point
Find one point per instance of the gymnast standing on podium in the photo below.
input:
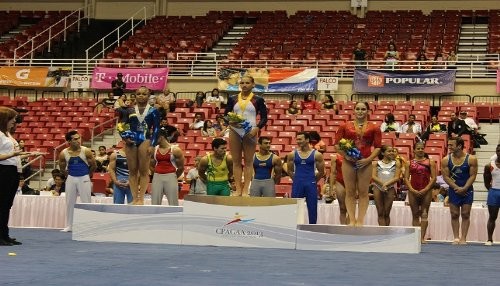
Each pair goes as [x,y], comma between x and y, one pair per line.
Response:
[358,172]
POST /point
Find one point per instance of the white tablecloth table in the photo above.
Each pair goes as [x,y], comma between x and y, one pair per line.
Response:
[50,212]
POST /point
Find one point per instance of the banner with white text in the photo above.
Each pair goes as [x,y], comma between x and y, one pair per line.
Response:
[152,78]
[270,80]
[374,81]
[35,76]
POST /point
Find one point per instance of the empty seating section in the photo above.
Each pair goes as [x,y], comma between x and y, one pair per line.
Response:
[37,23]
[164,37]
[332,35]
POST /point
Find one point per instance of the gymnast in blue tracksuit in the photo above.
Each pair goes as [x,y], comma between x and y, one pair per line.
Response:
[302,164]
[140,132]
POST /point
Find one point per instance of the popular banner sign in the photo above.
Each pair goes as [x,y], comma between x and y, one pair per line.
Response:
[270,80]
[404,82]
[35,76]
[153,78]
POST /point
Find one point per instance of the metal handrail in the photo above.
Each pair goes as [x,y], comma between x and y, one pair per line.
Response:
[119,36]
[56,152]
[92,131]
[49,31]
[40,170]
[338,68]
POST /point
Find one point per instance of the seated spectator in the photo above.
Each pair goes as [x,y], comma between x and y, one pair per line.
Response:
[166,99]
[109,101]
[123,111]
[329,103]
[293,109]
[411,126]
[452,60]
[196,185]
[439,194]
[102,160]
[456,126]
[198,122]
[215,97]
[51,181]
[59,185]
[391,56]
[471,124]
[316,142]
[25,189]
[200,98]
[208,130]
[221,126]
[434,127]
[120,102]
[309,103]
[389,125]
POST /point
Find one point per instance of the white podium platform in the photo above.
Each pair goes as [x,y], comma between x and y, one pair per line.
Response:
[386,239]
[127,223]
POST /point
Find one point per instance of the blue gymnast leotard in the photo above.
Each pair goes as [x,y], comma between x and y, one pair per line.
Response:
[460,174]
[304,183]
[142,127]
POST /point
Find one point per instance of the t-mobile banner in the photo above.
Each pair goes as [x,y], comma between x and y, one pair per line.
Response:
[404,81]
[152,78]
[498,81]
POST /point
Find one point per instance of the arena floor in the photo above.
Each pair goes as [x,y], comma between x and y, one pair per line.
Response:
[49,257]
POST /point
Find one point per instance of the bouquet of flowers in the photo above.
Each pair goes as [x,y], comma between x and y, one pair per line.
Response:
[238,121]
[350,149]
[131,129]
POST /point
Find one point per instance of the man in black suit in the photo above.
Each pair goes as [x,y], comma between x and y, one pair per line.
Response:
[456,127]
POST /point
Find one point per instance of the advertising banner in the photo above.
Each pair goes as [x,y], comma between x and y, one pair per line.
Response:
[35,76]
[270,80]
[498,81]
[372,81]
[152,78]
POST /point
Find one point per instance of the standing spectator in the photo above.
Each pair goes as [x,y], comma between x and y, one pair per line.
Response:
[79,164]
[118,85]
[456,126]
[358,171]
[491,177]
[389,124]
[196,185]
[118,171]
[9,168]
[386,173]
[208,130]
[420,176]
[359,57]
[309,103]
[168,166]
[267,167]
[302,164]
[215,169]
[459,171]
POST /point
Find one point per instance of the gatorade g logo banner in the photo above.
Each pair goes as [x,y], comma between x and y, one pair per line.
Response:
[35,76]
[23,76]
[404,81]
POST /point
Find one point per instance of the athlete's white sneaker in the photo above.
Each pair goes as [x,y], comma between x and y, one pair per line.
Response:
[67,229]
[489,243]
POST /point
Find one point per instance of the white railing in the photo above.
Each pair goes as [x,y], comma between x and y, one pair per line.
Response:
[94,134]
[67,21]
[98,49]
[39,172]
[210,68]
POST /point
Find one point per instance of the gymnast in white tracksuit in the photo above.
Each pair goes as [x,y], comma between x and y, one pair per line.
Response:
[79,164]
